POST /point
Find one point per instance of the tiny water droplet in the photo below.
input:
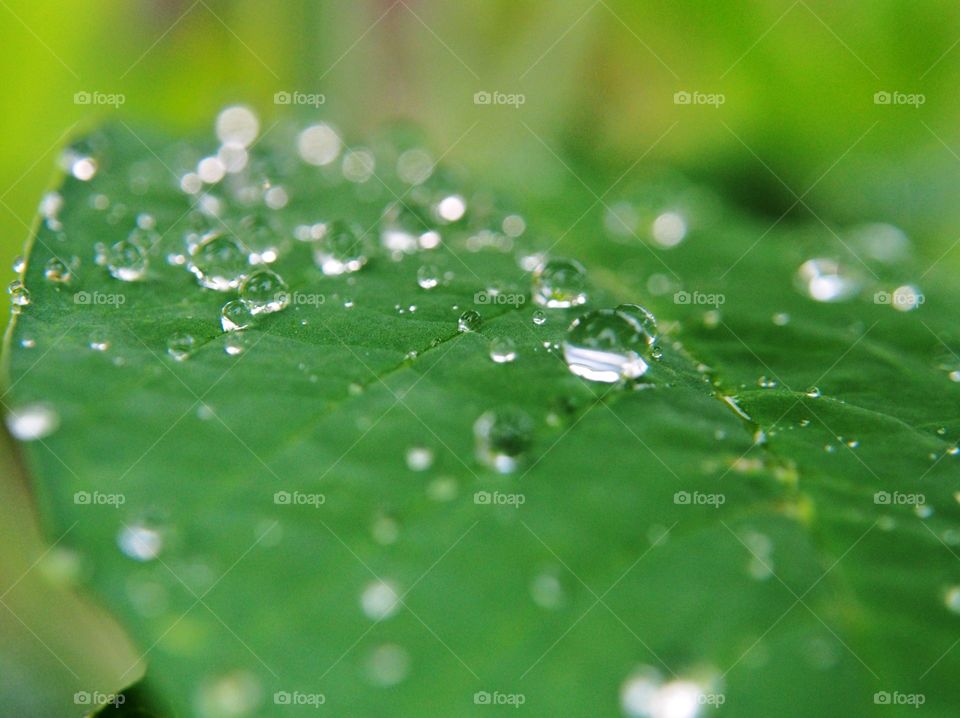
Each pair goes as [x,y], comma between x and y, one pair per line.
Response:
[32,422]
[342,249]
[502,437]
[814,393]
[606,346]
[952,599]
[781,319]
[503,350]
[235,315]
[180,346]
[560,283]
[765,383]
[264,292]
[388,665]
[469,321]
[539,318]
[28,343]
[237,343]
[19,264]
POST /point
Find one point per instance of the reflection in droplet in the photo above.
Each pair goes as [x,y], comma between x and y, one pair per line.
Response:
[560,283]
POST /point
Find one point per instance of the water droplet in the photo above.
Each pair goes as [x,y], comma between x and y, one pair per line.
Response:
[428,276]
[560,283]
[469,321]
[358,165]
[606,346]
[264,292]
[19,294]
[218,261]
[451,208]
[923,511]
[235,695]
[646,695]
[237,125]
[669,229]
[906,298]
[503,350]
[952,599]
[19,264]
[237,343]
[443,488]
[781,319]
[955,375]
[319,145]
[235,315]
[644,317]
[342,249]
[32,422]
[547,591]
[765,383]
[140,542]
[813,392]
[824,280]
[126,260]
[415,166]
[539,318]
[405,229]
[180,346]
[28,343]
[419,458]
[57,271]
[388,665]
[99,342]
[82,168]
[380,600]
[502,437]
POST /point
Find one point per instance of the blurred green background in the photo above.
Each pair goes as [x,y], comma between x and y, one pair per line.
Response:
[799,120]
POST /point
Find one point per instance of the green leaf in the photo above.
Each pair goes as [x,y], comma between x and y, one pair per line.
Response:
[695,524]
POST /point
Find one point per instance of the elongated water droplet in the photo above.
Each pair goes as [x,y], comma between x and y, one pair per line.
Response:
[342,249]
[502,438]
[19,294]
[264,292]
[218,261]
[560,283]
[607,346]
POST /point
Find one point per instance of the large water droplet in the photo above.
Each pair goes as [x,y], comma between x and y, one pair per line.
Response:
[607,346]
[560,283]
[32,422]
[218,261]
[428,276]
[341,249]
[236,315]
[264,292]
[502,437]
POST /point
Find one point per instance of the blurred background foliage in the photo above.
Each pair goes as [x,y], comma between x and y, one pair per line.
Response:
[598,76]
